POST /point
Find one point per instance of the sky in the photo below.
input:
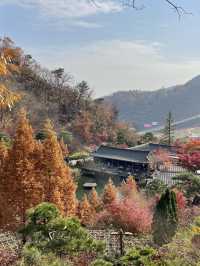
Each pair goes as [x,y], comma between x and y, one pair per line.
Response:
[110,46]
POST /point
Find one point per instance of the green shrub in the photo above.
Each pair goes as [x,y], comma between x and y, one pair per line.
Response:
[79,155]
[165,220]
[5,138]
[154,187]
[101,262]
[66,136]
[41,135]
[49,232]
[31,256]
[139,256]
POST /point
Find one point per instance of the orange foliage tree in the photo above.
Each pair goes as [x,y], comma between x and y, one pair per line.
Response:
[3,154]
[59,187]
[86,212]
[32,172]
[129,187]
[20,187]
[10,58]
[64,148]
[109,193]
[82,127]
[95,200]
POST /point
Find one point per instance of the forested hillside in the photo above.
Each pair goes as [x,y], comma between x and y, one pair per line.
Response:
[54,94]
[140,107]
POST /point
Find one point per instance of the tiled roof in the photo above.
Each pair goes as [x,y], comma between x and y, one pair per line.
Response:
[153,146]
[137,156]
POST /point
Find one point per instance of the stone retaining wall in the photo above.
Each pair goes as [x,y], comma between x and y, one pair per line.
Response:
[118,242]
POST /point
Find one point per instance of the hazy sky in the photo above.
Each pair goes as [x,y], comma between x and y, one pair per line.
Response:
[111,47]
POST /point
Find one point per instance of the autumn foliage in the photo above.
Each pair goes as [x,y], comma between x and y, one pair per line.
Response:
[10,58]
[58,184]
[189,155]
[129,211]
[86,212]
[20,186]
[128,188]
[129,214]
[109,193]
[95,200]
[33,172]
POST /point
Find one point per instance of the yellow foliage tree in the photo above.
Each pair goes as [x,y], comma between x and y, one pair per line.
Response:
[3,69]
[109,193]
[59,186]
[10,57]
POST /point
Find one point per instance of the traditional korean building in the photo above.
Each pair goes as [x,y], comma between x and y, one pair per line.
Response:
[135,161]
[124,161]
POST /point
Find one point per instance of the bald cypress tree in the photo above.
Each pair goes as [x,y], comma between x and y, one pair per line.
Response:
[3,154]
[109,193]
[20,187]
[95,200]
[165,220]
[59,187]
[86,212]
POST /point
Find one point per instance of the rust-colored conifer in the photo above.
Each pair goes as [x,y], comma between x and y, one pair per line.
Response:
[109,193]
[3,154]
[64,148]
[86,212]
[59,187]
[129,187]
[20,187]
[95,200]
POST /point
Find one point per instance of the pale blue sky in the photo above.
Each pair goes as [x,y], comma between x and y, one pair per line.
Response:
[111,47]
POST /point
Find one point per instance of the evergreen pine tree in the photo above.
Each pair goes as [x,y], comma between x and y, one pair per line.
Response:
[109,193]
[165,218]
[168,131]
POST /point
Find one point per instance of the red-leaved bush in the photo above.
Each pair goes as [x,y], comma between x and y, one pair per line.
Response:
[189,154]
[129,214]
[130,211]
[180,199]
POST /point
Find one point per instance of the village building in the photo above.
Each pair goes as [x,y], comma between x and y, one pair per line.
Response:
[139,161]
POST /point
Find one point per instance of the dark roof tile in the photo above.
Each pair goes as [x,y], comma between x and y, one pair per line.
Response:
[137,156]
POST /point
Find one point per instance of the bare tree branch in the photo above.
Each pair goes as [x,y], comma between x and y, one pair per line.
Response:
[132,3]
[179,9]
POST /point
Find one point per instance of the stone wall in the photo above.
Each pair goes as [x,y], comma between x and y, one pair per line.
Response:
[9,241]
[118,242]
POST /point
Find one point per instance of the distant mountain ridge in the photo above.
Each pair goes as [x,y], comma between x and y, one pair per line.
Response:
[142,107]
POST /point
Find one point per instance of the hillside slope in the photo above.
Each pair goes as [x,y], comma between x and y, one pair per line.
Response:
[140,107]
